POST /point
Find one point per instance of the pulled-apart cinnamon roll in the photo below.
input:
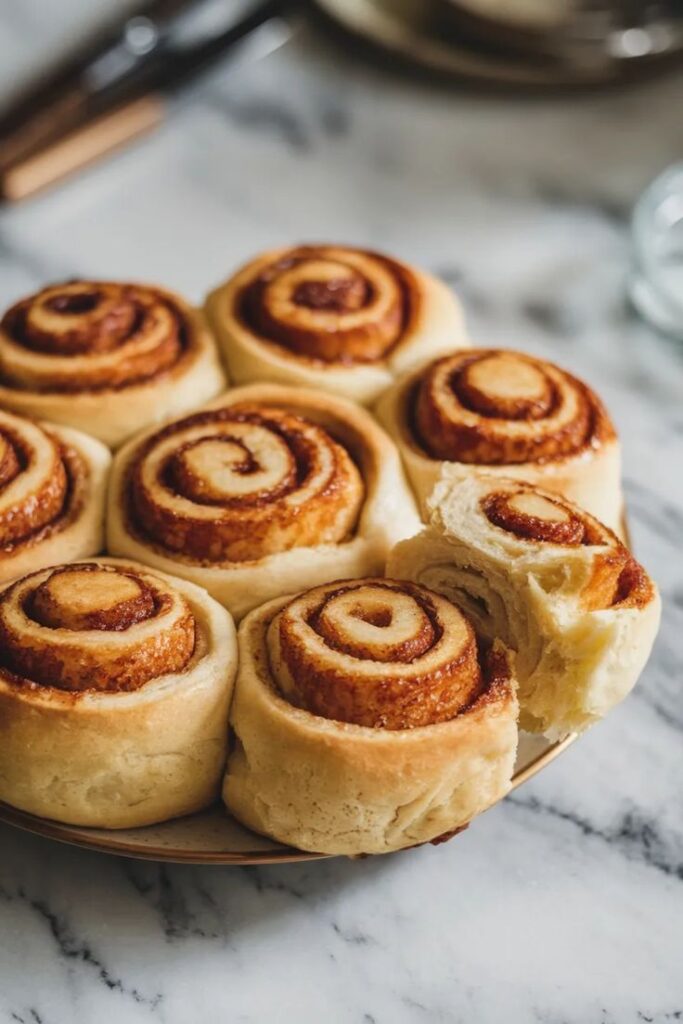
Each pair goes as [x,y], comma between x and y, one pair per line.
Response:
[552,582]
[367,718]
[333,317]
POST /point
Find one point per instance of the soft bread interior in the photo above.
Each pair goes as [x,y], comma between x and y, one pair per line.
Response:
[574,661]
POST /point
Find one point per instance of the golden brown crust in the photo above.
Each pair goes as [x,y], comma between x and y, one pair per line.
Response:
[116,335]
[10,465]
[243,482]
[363,497]
[51,486]
[89,598]
[338,318]
[510,415]
[100,756]
[87,353]
[337,787]
[498,407]
[377,653]
[331,304]
[37,465]
[93,627]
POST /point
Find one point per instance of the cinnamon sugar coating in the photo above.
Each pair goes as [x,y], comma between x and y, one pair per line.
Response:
[331,303]
[498,407]
[42,484]
[242,482]
[93,627]
[375,652]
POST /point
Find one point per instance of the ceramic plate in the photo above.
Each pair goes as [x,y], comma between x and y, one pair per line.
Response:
[214,838]
[408,29]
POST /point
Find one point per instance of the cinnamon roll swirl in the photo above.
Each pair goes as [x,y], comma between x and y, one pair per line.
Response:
[548,579]
[263,490]
[115,683]
[511,414]
[333,317]
[367,717]
[52,491]
[105,357]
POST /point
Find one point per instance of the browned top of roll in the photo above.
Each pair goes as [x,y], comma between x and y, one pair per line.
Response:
[380,653]
[42,483]
[92,626]
[617,578]
[91,335]
[331,303]
[243,482]
[499,407]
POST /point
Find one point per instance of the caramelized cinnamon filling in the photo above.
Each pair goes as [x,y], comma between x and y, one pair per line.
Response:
[74,300]
[85,597]
[222,470]
[495,407]
[535,517]
[91,626]
[241,483]
[531,515]
[331,303]
[401,627]
[9,460]
[380,653]
[41,482]
[340,295]
[78,318]
[504,386]
[88,335]
[634,587]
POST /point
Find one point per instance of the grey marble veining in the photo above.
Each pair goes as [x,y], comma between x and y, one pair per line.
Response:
[564,905]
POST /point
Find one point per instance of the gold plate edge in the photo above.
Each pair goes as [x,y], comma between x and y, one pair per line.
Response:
[63,834]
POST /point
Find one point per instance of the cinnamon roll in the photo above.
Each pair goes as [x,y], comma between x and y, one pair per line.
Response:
[548,579]
[106,358]
[511,414]
[52,492]
[115,683]
[333,317]
[366,718]
[264,490]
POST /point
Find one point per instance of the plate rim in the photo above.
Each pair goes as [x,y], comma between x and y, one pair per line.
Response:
[73,836]
[70,835]
[377,25]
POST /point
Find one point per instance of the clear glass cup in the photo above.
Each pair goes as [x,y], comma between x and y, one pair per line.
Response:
[656,285]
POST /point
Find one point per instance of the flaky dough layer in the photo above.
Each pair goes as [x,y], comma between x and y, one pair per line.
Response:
[582,616]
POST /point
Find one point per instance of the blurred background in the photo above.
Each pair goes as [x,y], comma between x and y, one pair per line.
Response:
[505,154]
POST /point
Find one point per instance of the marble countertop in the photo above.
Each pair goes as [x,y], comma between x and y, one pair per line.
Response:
[563,905]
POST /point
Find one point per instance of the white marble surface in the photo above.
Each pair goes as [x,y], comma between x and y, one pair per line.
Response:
[564,905]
